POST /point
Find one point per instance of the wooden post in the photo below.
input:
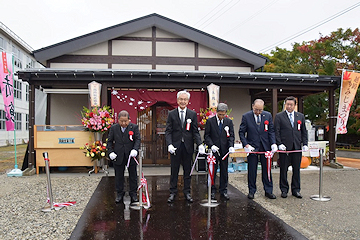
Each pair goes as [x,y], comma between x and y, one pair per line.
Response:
[274,99]
[31,125]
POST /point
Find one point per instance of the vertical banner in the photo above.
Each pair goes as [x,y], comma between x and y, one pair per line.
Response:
[94,92]
[7,89]
[349,85]
[214,92]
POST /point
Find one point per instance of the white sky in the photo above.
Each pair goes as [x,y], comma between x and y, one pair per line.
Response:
[253,24]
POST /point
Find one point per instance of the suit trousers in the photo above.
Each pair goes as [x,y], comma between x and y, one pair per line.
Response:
[119,179]
[184,158]
[252,172]
[223,174]
[293,159]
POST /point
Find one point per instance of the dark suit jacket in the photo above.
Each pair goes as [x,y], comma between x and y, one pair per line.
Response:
[175,132]
[121,144]
[214,137]
[290,136]
[255,136]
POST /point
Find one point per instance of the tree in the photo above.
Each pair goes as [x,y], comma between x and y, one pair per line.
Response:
[324,56]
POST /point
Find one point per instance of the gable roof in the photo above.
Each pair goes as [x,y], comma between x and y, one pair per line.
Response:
[152,20]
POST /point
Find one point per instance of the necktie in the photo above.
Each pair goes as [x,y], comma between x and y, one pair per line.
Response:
[220,126]
[182,117]
[122,129]
[258,120]
[291,120]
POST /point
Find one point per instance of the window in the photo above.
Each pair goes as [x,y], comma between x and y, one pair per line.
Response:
[27,122]
[26,92]
[17,89]
[2,44]
[2,120]
[17,121]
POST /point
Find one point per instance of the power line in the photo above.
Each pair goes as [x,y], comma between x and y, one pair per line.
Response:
[218,12]
[209,13]
[311,27]
[251,17]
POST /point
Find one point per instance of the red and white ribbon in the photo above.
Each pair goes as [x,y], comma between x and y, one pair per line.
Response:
[268,156]
[226,128]
[128,162]
[299,123]
[143,184]
[211,161]
[266,125]
[188,122]
[131,133]
[224,157]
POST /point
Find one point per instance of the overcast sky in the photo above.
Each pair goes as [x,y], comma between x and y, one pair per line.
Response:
[257,25]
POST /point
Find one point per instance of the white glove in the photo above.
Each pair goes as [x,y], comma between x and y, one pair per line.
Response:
[231,149]
[171,149]
[201,149]
[133,153]
[274,148]
[214,148]
[112,156]
[249,149]
[305,148]
[282,147]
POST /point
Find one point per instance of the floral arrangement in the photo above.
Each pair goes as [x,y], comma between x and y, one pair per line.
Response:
[207,113]
[96,150]
[97,119]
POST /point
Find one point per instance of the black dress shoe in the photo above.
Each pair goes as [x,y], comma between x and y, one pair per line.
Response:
[250,196]
[283,194]
[225,196]
[171,198]
[134,199]
[297,194]
[270,195]
[119,198]
[189,198]
[213,196]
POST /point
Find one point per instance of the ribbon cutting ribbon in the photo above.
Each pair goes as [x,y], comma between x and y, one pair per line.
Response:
[128,163]
[143,183]
[268,156]
[211,161]
[65,204]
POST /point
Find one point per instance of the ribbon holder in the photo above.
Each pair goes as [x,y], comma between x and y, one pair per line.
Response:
[208,202]
[320,197]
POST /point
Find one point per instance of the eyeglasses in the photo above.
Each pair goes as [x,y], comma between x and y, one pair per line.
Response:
[258,110]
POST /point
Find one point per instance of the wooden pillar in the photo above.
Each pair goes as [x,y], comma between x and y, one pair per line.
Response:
[31,151]
[104,94]
[274,100]
[301,104]
[332,121]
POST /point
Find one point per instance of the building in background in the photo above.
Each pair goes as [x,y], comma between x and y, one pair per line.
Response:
[23,59]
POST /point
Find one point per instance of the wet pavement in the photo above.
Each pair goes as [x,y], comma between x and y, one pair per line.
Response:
[238,218]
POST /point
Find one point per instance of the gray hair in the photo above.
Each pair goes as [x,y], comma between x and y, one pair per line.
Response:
[258,101]
[124,113]
[222,107]
[183,92]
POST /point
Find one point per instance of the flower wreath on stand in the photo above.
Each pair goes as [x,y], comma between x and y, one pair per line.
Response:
[97,120]
[206,113]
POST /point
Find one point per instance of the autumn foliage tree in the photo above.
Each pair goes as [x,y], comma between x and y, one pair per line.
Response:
[324,56]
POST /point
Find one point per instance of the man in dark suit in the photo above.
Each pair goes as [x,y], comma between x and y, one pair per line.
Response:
[290,132]
[257,134]
[219,135]
[180,134]
[124,141]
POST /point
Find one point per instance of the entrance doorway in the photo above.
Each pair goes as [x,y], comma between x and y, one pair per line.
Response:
[152,125]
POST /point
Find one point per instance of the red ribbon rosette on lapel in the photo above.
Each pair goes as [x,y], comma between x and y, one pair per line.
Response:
[188,122]
[226,128]
[266,125]
[131,133]
[299,123]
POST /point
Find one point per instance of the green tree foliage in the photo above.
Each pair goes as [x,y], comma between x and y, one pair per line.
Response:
[324,56]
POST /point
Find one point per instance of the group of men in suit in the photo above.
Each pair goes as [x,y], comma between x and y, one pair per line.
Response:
[257,133]
[288,134]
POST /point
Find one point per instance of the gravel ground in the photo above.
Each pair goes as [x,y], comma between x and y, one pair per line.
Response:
[336,219]
[22,198]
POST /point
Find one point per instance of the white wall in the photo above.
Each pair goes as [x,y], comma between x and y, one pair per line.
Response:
[65,109]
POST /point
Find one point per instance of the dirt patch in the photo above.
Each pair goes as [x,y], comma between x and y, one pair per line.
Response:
[7,157]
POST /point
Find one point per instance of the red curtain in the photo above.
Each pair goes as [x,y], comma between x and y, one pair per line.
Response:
[140,99]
